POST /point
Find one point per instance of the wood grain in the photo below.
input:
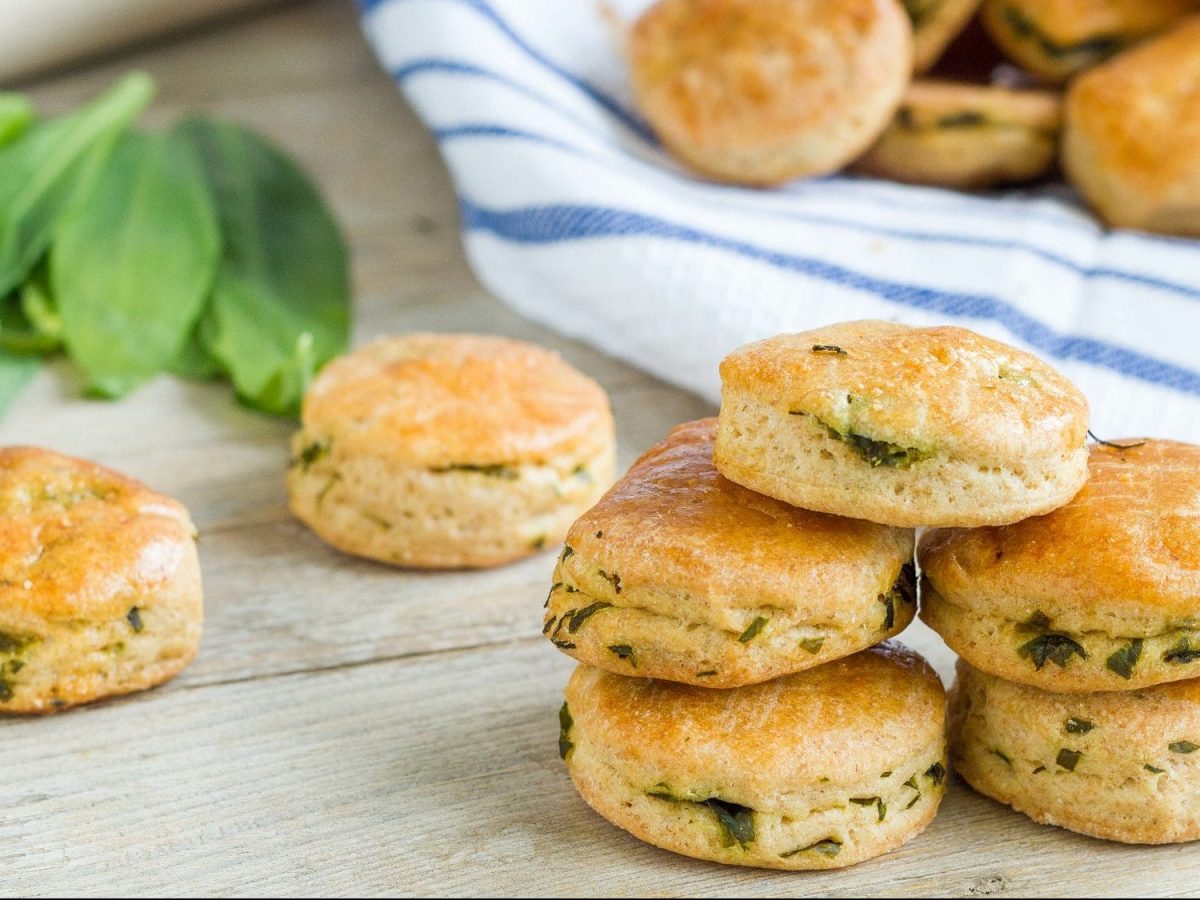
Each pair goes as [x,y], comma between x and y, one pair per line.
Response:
[350,729]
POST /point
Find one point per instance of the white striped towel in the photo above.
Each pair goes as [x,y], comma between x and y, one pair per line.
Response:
[572,214]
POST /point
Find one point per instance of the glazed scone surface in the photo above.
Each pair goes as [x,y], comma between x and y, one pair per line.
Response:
[678,573]
[935,24]
[449,450]
[903,426]
[100,590]
[817,770]
[763,91]
[1055,39]
[1132,129]
[1122,766]
[1101,595]
[967,136]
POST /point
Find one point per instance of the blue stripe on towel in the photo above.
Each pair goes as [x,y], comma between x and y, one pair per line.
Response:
[558,223]
[494,130]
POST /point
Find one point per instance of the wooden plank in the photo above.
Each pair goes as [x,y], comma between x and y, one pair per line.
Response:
[437,775]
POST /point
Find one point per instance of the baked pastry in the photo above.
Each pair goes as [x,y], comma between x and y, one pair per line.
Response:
[681,574]
[1101,595]
[968,136]
[100,590]
[1118,765]
[764,91]
[817,770]
[903,426]
[1055,39]
[1132,133]
[446,451]
[935,24]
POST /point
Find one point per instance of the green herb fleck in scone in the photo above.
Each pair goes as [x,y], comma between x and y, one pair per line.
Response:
[803,803]
[699,598]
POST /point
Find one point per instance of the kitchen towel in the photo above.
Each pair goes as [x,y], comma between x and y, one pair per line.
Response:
[572,214]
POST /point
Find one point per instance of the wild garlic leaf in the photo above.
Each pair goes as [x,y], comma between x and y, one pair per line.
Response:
[131,269]
[280,305]
[51,168]
[16,114]
[18,335]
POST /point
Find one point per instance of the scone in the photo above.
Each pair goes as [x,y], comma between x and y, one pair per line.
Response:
[1101,595]
[683,575]
[817,770]
[1132,133]
[763,91]
[968,136]
[902,426]
[100,590]
[449,450]
[935,24]
[1055,39]
[1121,765]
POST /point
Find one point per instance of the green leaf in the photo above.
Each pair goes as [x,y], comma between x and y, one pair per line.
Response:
[565,724]
[753,630]
[18,335]
[280,307]
[15,374]
[1055,648]
[1068,759]
[1123,660]
[16,114]
[131,269]
[52,167]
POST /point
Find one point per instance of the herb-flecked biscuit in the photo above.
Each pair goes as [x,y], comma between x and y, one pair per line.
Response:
[968,136]
[449,450]
[100,590]
[763,91]
[1056,39]
[1132,135]
[1101,595]
[935,24]
[817,770]
[903,426]
[681,574]
[1120,765]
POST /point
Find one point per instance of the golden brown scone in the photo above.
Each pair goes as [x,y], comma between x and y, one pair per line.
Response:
[1055,39]
[681,574]
[968,136]
[818,770]
[1120,765]
[903,426]
[100,589]
[935,24]
[763,91]
[449,450]
[1101,595]
[1132,135]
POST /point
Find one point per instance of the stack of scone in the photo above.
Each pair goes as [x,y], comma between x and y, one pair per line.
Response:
[1077,632]
[764,91]
[752,565]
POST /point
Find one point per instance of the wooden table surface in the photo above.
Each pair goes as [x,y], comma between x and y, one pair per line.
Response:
[351,729]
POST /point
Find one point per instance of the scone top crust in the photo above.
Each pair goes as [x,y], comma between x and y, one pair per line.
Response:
[845,721]
[674,523]
[433,400]
[1068,23]
[77,540]
[933,103]
[744,73]
[1140,113]
[942,391]
[1123,555]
